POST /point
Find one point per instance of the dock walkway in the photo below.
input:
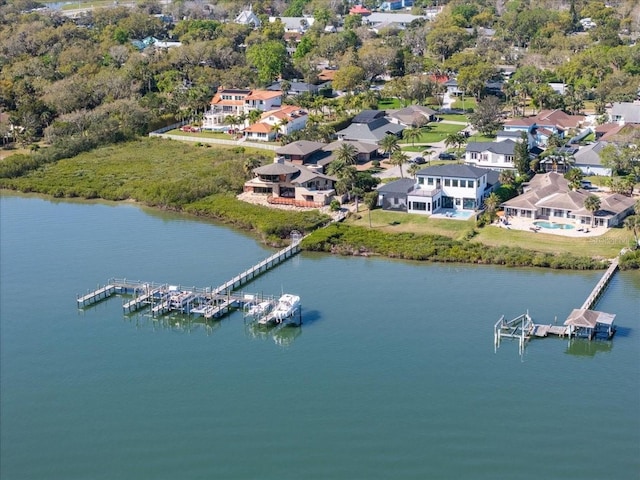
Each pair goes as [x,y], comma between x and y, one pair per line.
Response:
[600,287]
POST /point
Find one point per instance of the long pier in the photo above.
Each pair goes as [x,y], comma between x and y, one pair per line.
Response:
[600,287]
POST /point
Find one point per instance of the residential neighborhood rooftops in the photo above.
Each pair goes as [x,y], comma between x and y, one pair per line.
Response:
[589,154]
[505,147]
[413,115]
[625,112]
[361,147]
[276,168]
[368,116]
[402,185]
[456,170]
[301,147]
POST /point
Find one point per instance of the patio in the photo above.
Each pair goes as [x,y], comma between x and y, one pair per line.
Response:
[527,224]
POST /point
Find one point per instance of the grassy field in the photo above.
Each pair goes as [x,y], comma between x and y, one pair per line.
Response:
[453,117]
[389,103]
[436,133]
[605,246]
[468,102]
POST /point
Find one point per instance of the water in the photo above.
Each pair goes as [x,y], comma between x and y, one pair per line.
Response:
[392,375]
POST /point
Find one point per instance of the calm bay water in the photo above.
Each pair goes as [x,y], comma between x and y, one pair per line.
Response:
[392,375]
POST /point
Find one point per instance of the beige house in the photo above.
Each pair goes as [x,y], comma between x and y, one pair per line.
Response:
[548,197]
[283,182]
[281,121]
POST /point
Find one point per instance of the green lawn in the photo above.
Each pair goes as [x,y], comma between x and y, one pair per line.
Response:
[436,133]
[453,117]
[385,103]
[468,102]
[605,246]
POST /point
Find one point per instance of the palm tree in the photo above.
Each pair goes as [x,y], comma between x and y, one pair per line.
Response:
[254,116]
[241,118]
[427,153]
[507,177]
[491,203]
[592,203]
[347,153]
[399,158]
[411,134]
[455,140]
[574,176]
[632,223]
[231,120]
[413,169]
[389,144]
[250,164]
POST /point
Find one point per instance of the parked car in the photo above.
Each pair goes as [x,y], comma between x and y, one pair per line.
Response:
[190,128]
[418,160]
[447,156]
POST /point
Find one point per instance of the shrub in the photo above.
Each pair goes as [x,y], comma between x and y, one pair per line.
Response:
[334,206]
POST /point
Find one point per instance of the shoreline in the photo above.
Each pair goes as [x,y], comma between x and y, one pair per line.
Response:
[353,249]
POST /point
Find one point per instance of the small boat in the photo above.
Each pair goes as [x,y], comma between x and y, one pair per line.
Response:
[261,308]
[286,307]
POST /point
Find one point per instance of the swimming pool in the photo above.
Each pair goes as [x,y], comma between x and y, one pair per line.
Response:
[456,214]
[553,226]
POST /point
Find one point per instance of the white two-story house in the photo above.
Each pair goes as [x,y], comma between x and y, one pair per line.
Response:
[494,155]
[455,187]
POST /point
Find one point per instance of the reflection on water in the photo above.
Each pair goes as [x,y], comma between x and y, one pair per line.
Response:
[175,323]
[283,335]
[585,348]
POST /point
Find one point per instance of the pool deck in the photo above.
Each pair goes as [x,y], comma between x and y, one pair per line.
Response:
[526,224]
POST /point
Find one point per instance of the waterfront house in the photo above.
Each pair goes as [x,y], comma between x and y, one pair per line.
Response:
[393,195]
[237,102]
[457,187]
[370,126]
[301,151]
[365,151]
[548,197]
[281,121]
[494,155]
[283,182]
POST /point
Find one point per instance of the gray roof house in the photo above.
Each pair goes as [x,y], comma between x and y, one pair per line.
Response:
[625,112]
[301,151]
[370,126]
[285,183]
[413,116]
[588,159]
[393,195]
[300,87]
[493,155]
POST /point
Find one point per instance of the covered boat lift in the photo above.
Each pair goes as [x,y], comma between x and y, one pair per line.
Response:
[590,324]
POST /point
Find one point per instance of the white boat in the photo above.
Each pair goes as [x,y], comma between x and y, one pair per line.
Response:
[286,307]
[259,309]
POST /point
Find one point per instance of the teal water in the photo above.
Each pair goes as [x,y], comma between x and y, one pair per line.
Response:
[392,375]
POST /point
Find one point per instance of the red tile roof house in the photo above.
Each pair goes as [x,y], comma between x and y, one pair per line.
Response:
[282,121]
[545,124]
[237,101]
[284,183]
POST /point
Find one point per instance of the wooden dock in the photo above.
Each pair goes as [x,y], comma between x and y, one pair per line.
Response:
[600,287]
[209,302]
[581,322]
[100,294]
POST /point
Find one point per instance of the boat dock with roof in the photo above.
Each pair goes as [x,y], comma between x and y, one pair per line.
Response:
[582,322]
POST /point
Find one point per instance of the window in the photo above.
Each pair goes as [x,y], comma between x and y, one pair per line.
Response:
[420,181]
[474,155]
[457,202]
[420,206]
[454,182]
[508,158]
[447,182]
[430,181]
[470,184]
